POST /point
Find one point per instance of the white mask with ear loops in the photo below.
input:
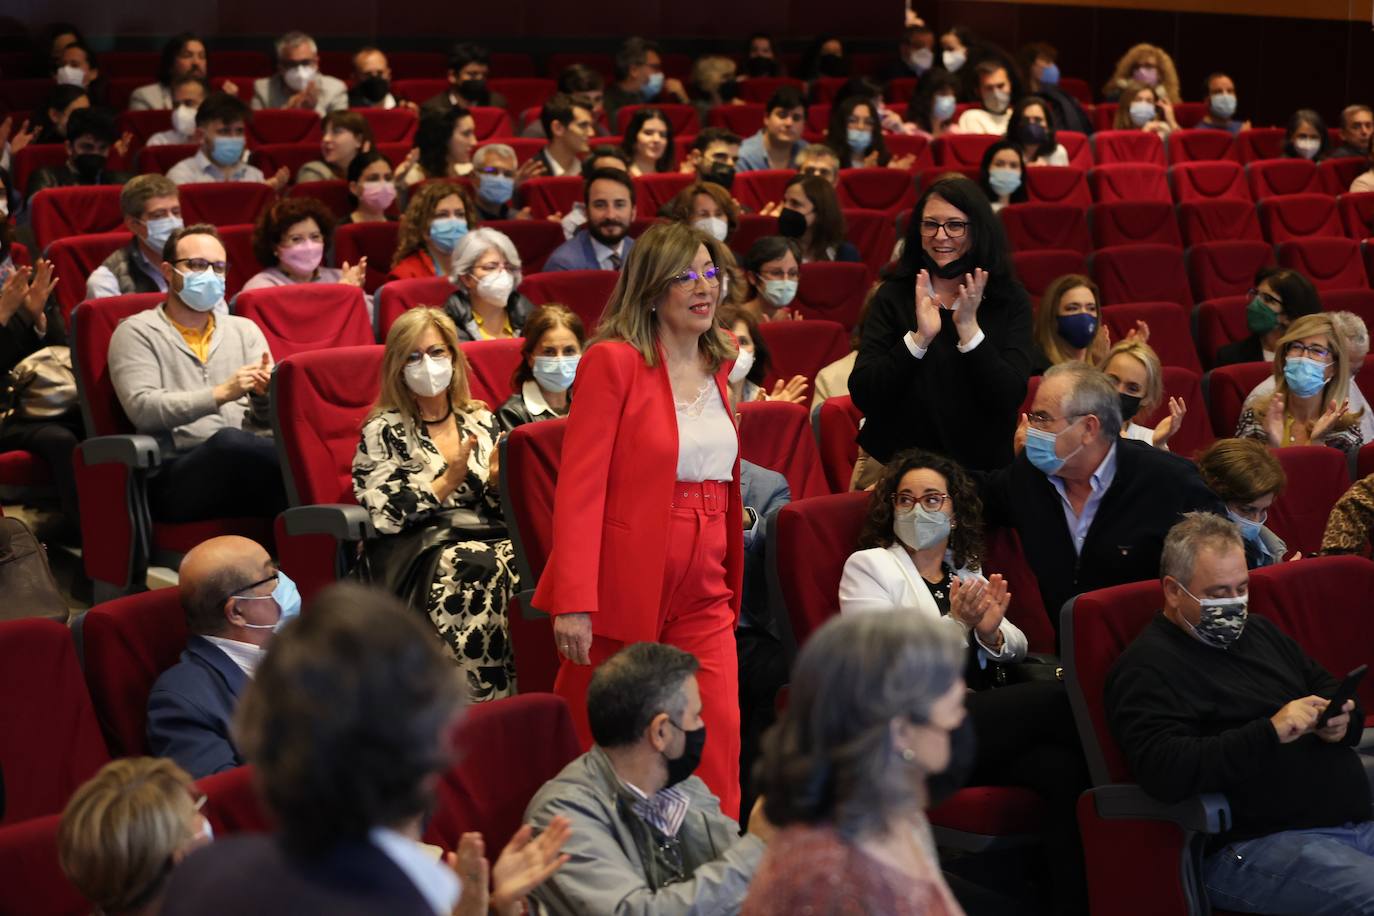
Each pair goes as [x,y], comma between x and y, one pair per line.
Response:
[743,363]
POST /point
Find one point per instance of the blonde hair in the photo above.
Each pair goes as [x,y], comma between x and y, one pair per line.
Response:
[1125,66]
[401,341]
[1337,389]
[631,315]
[1046,332]
[1240,470]
[710,71]
[1122,119]
[1144,354]
[121,828]
[413,231]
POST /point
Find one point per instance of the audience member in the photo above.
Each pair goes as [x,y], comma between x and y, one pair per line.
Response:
[1144,65]
[345,135]
[825,58]
[1143,107]
[291,237]
[152,212]
[1306,137]
[1352,328]
[1003,175]
[777,143]
[811,215]
[640,79]
[486,271]
[91,135]
[1039,62]
[348,724]
[604,156]
[818,160]
[443,146]
[647,835]
[1134,368]
[436,218]
[188,93]
[995,92]
[954,47]
[915,55]
[959,347]
[182,55]
[542,382]
[1351,522]
[1032,125]
[713,82]
[772,270]
[126,829]
[855,134]
[754,363]
[223,153]
[1309,403]
[761,58]
[1246,476]
[1210,699]
[372,82]
[1357,128]
[298,82]
[1091,508]
[714,156]
[497,172]
[648,142]
[625,467]
[1280,297]
[609,198]
[1221,105]
[57,36]
[77,66]
[931,109]
[469,67]
[371,188]
[1068,325]
[587,88]
[235,599]
[706,206]
[570,128]
[427,470]
[50,123]
[197,382]
[873,705]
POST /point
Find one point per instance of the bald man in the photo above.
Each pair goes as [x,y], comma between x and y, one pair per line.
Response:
[235,599]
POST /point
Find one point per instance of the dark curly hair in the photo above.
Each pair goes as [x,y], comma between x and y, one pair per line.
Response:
[966,532]
[281,216]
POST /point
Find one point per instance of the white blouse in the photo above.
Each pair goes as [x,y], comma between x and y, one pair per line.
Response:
[706,438]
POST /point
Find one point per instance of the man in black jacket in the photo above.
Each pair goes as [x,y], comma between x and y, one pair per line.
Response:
[1091,507]
[91,136]
[1208,699]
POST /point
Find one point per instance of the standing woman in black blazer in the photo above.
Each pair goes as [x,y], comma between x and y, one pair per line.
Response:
[946,348]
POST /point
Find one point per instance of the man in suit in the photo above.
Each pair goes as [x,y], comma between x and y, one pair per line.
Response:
[234,599]
[570,128]
[609,196]
[1092,508]
[298,82]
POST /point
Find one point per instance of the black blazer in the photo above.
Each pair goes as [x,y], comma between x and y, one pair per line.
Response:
[190,709]
[963,405]
[255,874]
[1149,493]
[1249,350]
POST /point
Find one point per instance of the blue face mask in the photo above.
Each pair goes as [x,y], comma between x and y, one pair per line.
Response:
[226,151]
[1050,75]
[654,86]
[1040,450]
[942,109]
[201,291]
[780,292]
[288,600]
[1249,530]
[1142,113]
[1305,376]
[1223,104]
[859,140]
[1004,182]
[160,229]
[445,233]
[1077,330]
[494,190]
[555,373]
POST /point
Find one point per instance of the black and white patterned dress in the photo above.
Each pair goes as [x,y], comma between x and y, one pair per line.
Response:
[393,476]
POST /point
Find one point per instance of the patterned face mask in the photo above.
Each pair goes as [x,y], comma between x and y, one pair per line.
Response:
[1222,620]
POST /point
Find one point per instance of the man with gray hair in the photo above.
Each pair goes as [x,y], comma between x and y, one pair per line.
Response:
[298,82]
[497,173]
[1091,508]
[152,212]
[1357,129]
[1209,699]
[648,837]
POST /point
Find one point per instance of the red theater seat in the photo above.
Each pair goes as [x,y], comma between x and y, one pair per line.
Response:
[1228,388]
[961,149]
[1299,216]
[1201,145]
[307,316]
[284,125]
[873,233]
[375,241]
[812,540]
[652,192]
[777,435]
[1170,336]
[31,874]
[224,203]
[744,120]
[1193,181]
[491,364]
[391,125]
[833,290]
[584,291]
[36,156]
[837,430]
[398,296]
[333,193]
[1134,222]
[1338,174]
[243,263]
[1359,301]
[887,190]
[1329,263]
[1217,220]
[492,124]
[761,187]
[419,89]
[760,89]
[1066,185]
[73,258]
[683,118]
[1219,322]
[803,348]
[1078,148]
[1260,143]
[144,123]
[534,239]
[1318,475]
[1128,181]
[751,228]
[1357,214]
[546,196]
[1270,178]
[1219,269]
[58,213]
[272,157]
[1128,146]
[160,159]
[1141,273]
[523,92]
[1037,270]
[1038,227]
[232,803]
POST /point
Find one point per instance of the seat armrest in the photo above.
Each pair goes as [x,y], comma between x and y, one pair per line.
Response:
[1208,813]
[341,521]
[133,450]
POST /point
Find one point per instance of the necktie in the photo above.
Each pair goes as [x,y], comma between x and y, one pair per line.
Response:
[615,260]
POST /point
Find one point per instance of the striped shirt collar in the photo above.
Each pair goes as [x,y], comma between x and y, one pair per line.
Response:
[665,810]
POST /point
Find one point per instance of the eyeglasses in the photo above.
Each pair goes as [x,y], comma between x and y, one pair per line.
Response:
[199,265]
[1269,298]
[493,170]
[436,353]
[778,273]
[931,502]
[954,228]
[1040,419]
[688,278]
[1316,351]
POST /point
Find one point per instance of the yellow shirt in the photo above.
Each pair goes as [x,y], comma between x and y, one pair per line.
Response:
[506,329]
[198,340]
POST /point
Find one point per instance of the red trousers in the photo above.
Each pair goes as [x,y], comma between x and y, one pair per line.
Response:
[694,615]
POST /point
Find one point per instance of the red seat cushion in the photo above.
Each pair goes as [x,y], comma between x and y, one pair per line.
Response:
[837,429]
[23,469]
[992,811]
[375,241]
[1223,219]
[284,125]
[232,803]
[833,291]
[1134,222]
[961,149]
[803,347]
[1297,216]
[814,538]
[1219,322]
[547,195]
[652,192]
[777,435]
[534,239]
[1226,268]
[1037,270]
[1328,262]
[398,296]
[491,364]
[1037,227]
[1208,180]
[757,189]
[62,212]
[1317,476]
[1128,146]
[224,203]
[1228,387]
[1141,273]
[584,291]
[308,316]
[31,874]
[1129,181]
[1067,185]
[1201,145]
[884,189]
[1270,178]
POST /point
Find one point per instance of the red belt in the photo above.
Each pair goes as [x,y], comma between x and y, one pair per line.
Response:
[711,495]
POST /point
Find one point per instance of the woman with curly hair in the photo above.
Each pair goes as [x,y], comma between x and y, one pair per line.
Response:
[290,239]
[437,216]
[1147,65]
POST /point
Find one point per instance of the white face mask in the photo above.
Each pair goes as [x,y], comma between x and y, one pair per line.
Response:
[1307,147]
[70,76]
[300,76]
[4,204]
[184,120]
[714,226]
[953,60]
[743,363]
[430,376]
[496,287]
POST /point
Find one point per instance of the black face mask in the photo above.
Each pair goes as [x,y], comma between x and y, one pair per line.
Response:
[475,91]
[679,768]
[831,65]
[728,90]
[951,271]
[1031,133]
[761,66]
[88,166]
[791,224]
[1130,406]
[374,88]
[723,175]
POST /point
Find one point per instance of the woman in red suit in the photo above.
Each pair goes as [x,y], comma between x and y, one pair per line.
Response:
[647,527]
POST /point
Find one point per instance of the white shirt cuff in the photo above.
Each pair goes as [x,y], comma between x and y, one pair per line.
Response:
[909,338]
[977,339]
[992,653]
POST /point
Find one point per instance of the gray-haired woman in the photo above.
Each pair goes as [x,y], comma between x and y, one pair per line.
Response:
[486,270]
[874,701]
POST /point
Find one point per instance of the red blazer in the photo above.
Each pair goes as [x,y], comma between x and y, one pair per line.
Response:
[614,497]
[415,266]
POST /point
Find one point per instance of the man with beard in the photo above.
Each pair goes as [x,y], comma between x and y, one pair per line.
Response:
[91,134]
[609,196]
[714,156]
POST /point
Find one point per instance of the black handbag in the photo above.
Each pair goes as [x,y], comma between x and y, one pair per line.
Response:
[406,563]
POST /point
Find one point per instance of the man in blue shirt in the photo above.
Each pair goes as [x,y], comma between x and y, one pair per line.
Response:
[777,144]
[609,196]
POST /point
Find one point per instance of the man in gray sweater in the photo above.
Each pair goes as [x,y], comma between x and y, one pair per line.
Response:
[647,836]
[197,383]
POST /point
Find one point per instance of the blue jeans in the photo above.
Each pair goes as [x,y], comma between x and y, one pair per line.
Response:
[1328,870]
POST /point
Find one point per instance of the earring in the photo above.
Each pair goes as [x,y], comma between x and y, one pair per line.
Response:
[908,754]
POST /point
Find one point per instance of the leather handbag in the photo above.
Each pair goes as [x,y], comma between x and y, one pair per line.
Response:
[25,579]
[406,563]
[41,386]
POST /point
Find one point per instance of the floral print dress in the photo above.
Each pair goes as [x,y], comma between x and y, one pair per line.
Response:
[394,471]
